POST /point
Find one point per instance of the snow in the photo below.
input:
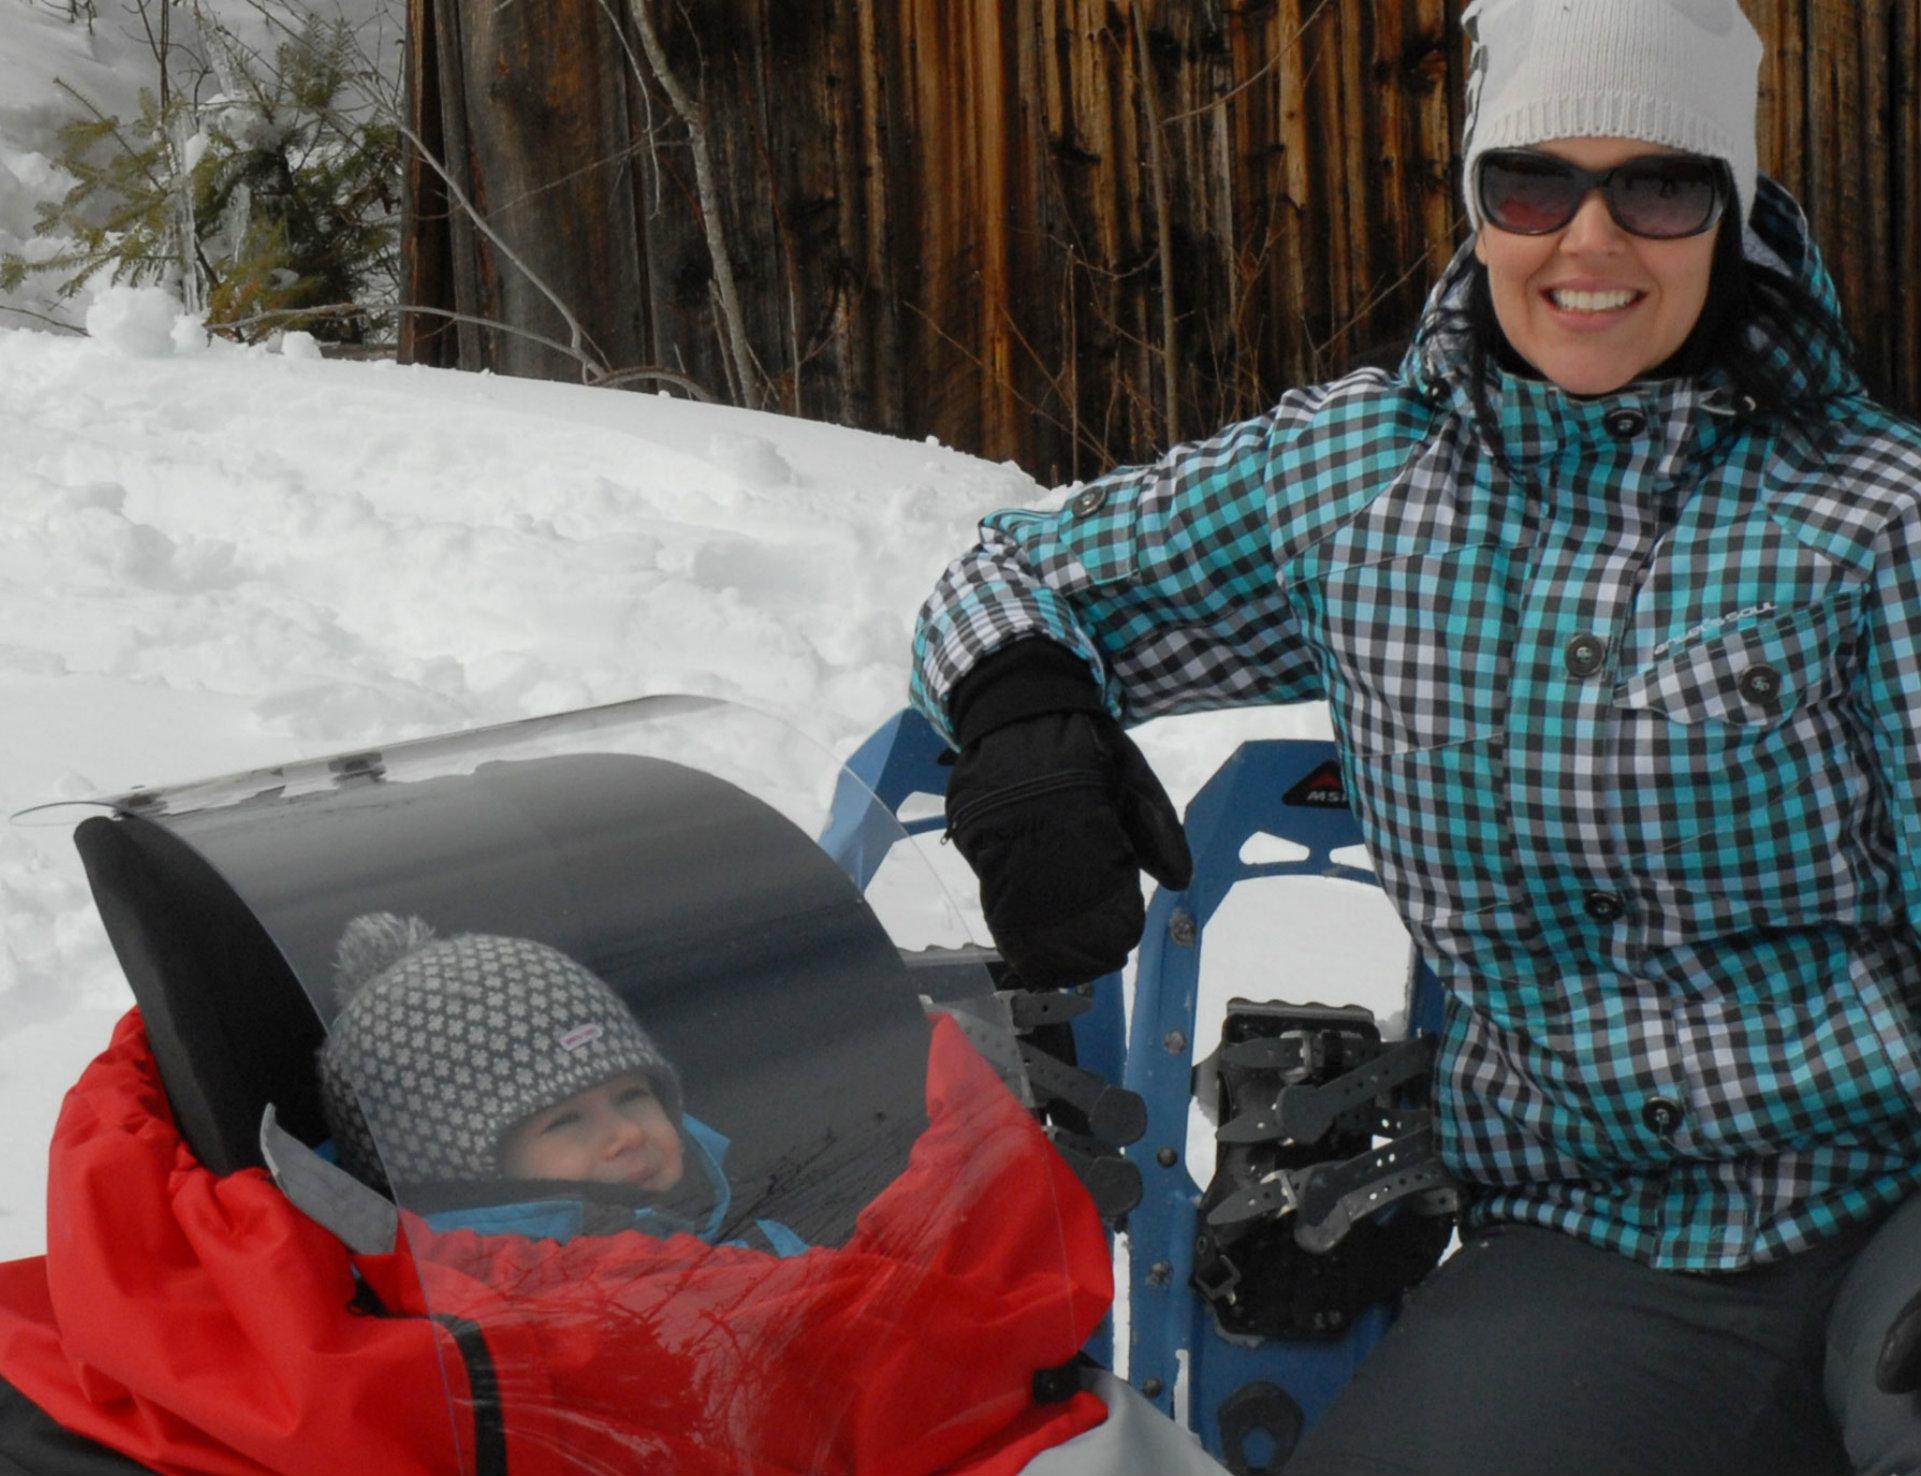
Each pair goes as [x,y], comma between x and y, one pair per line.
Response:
[215,557]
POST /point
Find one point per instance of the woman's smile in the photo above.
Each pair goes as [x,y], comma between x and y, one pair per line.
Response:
[1591,306]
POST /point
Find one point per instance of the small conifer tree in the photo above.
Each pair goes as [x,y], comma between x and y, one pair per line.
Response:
[263,200]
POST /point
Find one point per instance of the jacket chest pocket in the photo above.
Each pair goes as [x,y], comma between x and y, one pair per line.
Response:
[1736,777]
[1755,677]
[1419,647]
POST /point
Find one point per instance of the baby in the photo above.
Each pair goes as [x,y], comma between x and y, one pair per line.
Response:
[483,1059]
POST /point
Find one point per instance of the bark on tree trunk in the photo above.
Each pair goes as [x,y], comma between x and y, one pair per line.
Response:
[942,218]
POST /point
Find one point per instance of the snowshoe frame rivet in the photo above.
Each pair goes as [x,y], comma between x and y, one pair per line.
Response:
[1167,1158]
[1152,1388]
[1180,927]
[1175,1042]
[1160,1273]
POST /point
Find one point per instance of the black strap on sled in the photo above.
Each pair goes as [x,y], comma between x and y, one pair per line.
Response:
[1089,1119]
[1297,1237]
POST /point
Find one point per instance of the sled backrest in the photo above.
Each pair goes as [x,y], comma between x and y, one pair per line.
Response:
[747,954]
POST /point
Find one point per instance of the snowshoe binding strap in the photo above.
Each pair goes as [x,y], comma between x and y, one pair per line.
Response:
[1088,1118]
[1305,1112]
[1310,1218]
[1327,1198]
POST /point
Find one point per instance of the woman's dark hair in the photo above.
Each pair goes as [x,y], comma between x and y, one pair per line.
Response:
[1742,295]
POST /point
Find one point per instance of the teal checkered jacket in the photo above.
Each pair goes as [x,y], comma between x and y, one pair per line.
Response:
[1631,718]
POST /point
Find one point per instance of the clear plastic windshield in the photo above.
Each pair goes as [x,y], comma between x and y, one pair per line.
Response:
[706,1161]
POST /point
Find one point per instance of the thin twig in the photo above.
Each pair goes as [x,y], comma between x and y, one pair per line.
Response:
[578,337]
[619,377]
[999,378]
[611,379]
[1054,382]
[43,318]
[1164,229]
[1269,65]
[355,309]
[1368,305]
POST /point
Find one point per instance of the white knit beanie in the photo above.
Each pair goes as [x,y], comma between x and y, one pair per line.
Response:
[1683,73]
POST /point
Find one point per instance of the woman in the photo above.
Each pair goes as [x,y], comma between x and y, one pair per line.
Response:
[1614,591]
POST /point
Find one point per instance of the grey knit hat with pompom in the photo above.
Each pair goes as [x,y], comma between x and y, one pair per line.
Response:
[445,1044]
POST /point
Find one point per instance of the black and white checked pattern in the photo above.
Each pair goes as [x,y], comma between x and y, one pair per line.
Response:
[433,1059]
[1633,727]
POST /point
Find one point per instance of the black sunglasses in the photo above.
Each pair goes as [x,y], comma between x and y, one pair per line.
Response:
[1661,196]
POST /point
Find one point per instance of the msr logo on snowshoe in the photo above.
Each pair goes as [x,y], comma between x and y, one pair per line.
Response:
[1320,790]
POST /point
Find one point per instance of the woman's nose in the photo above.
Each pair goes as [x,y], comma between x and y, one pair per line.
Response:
[1592,228]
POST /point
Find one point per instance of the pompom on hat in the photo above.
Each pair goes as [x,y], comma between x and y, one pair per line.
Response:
[1683,73]
[445,1044]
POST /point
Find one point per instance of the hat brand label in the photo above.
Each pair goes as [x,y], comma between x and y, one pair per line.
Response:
[580,1035]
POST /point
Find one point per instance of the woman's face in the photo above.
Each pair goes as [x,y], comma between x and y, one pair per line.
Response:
[1590,306]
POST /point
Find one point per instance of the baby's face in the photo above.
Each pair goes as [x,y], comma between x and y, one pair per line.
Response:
[614,1133]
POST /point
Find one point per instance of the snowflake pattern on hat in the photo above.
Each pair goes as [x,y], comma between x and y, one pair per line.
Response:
[441,1045]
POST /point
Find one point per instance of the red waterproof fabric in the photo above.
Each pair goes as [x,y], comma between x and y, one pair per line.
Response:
[202,1325]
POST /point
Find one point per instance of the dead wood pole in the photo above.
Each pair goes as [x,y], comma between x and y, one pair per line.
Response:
[707,186]
[1163,228]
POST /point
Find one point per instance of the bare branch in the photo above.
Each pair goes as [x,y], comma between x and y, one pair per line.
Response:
[578,338]
[1082,436]
[732,318]
[592,374]
[355,309]
[660,372]
[1164,229]
[1269,65]
[43,318]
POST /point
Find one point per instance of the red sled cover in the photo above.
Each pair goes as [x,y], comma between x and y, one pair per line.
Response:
[205,1325]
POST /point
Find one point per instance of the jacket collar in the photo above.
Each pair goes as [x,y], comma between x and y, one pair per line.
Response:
[1680,421]
[563,1218]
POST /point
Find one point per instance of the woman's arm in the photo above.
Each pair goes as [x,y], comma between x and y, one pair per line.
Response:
[1161,579]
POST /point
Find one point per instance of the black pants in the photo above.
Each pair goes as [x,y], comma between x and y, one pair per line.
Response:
[1531,1351]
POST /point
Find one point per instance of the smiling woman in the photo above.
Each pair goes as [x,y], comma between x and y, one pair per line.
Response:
[1588,301]
[1613,589]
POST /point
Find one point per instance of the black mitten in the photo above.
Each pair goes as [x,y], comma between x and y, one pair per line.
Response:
[1058,813]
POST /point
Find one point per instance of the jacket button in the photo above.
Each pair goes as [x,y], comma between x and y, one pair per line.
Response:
[1090,501]
[1603,906]
[1625,425]
[1661,1116]
[1585,653]
[1761,685]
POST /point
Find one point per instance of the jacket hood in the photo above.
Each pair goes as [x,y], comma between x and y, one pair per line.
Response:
[1534,418]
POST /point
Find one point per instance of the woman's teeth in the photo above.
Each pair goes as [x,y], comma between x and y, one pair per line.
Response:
[1591,302]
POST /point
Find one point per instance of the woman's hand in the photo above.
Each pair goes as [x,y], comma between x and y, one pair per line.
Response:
[1058,813]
